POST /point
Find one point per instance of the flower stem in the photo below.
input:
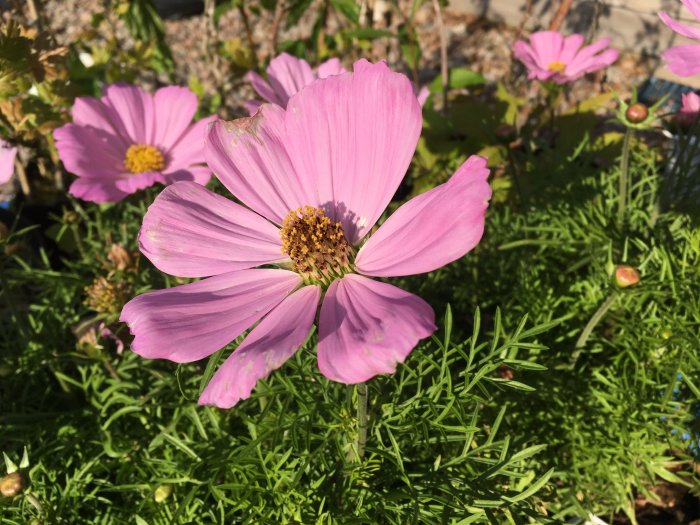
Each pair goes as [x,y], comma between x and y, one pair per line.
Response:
[592,323]
[358,451]
[624,174]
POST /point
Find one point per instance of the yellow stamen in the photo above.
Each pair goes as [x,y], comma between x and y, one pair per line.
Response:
[316,245]
[141,158]
[557,66]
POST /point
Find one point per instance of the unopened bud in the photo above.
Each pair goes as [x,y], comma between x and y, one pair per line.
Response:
[11,485]
[71,217]
[119,257]
[637,113]
[626,276]
[162,492]
[506,372]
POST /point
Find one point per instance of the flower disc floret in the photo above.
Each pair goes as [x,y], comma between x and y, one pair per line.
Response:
[141,158]
[556,66]
[316,245]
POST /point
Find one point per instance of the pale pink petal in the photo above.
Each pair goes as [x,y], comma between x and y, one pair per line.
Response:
[134,182]
[423,95]
[174,108]
[189,148]
[287,75]
[694,7]
[190,231]
[90,152]
[591,59]
[432,229]
[523,52]
[572,44]
[264,349]
[199,174]
[262,87]
[7,161]
[89,111]
[332,66]
[97,190]
[249,157]
[366,327]
[252,106]
[135,110]
[192,321]
[547,46]
[352,137]
[679,27]
[683,60]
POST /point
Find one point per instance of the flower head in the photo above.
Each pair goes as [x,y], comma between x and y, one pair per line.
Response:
[690,110]
[7,161]
[683,60]
[551,56]
[287,75]
[314,180]
[129,140]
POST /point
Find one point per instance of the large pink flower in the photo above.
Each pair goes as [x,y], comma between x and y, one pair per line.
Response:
[287,75]
[7,161]
[315,179]
[684,60]
[129,140]
[553,57]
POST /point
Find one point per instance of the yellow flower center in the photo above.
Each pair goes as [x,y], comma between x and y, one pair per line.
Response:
[141,158]
[316,245]
[557,66]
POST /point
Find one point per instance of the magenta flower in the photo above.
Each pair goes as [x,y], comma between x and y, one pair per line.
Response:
[690,109]
[552,57]
[315,179]
[287,75]
[7,161]
[129,140]
[683,60]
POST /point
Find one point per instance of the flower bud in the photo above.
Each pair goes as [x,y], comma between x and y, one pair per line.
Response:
[119,257]
[626,276]
[162,492]
[637,113]
[11,485]
[506,372]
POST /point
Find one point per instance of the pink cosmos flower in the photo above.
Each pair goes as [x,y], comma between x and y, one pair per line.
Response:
[315,179]
[683,60]
[7,161]
[287,75]
[551,56]
[129,140]
[690,109]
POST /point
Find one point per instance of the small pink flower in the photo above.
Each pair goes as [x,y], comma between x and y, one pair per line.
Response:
[287,75]
[683,60]
[315,179]
[7,161]
[690,109]
[553,57]
[129,140]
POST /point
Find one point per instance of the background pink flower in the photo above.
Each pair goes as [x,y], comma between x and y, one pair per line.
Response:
[683,60]
[315,179]
[7,161]
[553,57]
[690,109]
[129,140]
[287,75]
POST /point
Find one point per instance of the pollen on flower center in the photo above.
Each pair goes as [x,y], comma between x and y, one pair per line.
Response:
[140,158]
[556,66]
[316,245]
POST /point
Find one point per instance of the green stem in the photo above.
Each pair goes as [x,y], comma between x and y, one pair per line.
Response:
[358,451]
[624,174]
[592,323]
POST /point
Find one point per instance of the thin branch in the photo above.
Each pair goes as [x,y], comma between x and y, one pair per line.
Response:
[443,53]
[560,15]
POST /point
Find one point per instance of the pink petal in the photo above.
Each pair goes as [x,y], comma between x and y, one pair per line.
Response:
[683,60]
[366,327]
[174,107]
[572,44]
[190,231]
[199,174]
[192,321]
[523,52]
[262,87]
[90,152]
[287,75]
[248,156]
[694,7]
[547,46]
[353,136]
[265,349]
[134,182]
[7,161]
[432,229]
[97,190]
[332,66]
[580,67]
[252,106]
[189,148]
[89,111]
[423,95]
[679,27]
[134,108]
